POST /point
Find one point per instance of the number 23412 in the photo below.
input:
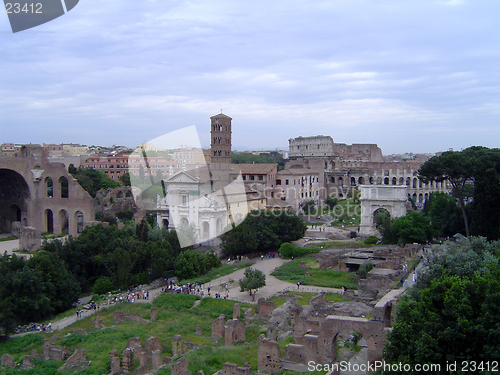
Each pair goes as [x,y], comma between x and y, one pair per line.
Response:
[27,8]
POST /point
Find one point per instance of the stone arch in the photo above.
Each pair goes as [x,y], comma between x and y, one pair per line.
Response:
[408,181]
[49,221]
[165,223]
[49,187]
[79,221]
[394,181]
[332,180]
[373,198]
[341,181]
[420,198]
[372,331]
[401,181]
[64,185]
[119,194]
[184,221]
[414,186]
[361,180]
[386,181]
[14,198]
[353,181]
[371,180]
[64,220]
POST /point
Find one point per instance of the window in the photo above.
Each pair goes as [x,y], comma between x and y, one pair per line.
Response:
[184,200]
[286,182]
[261,178]
[278,182]
[252,178]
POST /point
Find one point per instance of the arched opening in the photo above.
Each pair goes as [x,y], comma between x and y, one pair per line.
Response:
[371,180]
[420,198]
[349,344]
[414,197]
[361,180]
[386,181]
[14,195]
[394,181]
[401,181]
[164,223]
[119,194]
[80,221]
[332,180]
[184,221]
[414,183]
[49,221]
[381,218]
[420,184]
[63,181]
[353,181]
[341,181]
[64,220]
[205,230]
[49,187]
[407,181]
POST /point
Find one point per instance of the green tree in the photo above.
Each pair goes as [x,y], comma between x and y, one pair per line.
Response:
[93,180]
[411,228]
[452,166]
[103,285]
[254,279]
[444,214]
[307,207]
[331,202]
[125,179]
[189,264]
[453,319]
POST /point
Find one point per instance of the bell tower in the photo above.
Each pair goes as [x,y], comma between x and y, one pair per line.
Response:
[220,149]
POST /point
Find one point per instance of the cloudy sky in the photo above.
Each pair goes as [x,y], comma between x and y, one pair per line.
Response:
[411,76]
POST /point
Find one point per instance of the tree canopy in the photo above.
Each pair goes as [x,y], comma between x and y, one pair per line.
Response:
[477,166]
[254,279]
[452,314]
[262,231]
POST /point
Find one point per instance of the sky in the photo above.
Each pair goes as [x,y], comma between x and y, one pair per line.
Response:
[410,76]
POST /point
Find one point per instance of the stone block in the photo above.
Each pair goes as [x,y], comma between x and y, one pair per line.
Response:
[133,341]
[154,314]
[152,344]
[218,327]
[198,331]
[7,361]
[236,311]
[76,361]
[27,362]
[156,359]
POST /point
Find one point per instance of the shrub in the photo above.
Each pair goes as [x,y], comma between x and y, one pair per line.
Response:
[372,240]
[103,285]
[289,251]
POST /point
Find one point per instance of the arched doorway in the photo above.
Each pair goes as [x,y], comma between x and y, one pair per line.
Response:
[49,221]
[80,221]
[64,220]
[205,230]
[14,195]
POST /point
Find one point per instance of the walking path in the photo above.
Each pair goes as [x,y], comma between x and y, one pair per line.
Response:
[267,266]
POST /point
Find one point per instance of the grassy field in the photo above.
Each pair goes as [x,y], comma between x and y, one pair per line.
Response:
[292,272]
[175,317]
[306,297]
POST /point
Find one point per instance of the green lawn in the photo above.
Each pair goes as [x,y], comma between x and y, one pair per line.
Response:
[306,297]
[175,317]
[292,272]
